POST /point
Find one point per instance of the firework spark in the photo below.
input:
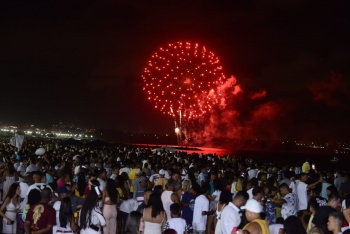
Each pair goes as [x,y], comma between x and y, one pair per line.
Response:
[185,77]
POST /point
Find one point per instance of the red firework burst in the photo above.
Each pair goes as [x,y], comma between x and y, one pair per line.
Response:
[183,77]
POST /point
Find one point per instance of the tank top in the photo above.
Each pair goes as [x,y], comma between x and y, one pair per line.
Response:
[153,228]
[262,224]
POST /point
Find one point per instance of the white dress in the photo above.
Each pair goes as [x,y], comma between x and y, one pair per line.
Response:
[218,217]
[97,219]
[12,215]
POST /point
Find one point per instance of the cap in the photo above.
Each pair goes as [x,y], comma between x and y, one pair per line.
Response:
[63,189]
[161,172]
[138,171]
[253,206]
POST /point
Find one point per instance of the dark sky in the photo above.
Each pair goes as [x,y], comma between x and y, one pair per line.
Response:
[81,61]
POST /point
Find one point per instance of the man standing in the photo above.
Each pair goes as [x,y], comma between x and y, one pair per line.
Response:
[335,221]
[256,223]
[301,191]
[41,217]
[321,216]
[230,216]
[288,201]
[201,210]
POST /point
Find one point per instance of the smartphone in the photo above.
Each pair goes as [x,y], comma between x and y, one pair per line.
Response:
[313,167]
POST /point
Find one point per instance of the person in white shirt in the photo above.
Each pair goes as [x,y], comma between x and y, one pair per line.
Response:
[230,216]
[166,198]
[288,201]
[32,167]
[176,222]
[301,191]
[101,179]
[201,209]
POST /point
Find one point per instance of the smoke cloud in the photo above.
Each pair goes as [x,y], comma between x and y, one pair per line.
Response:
[239,116]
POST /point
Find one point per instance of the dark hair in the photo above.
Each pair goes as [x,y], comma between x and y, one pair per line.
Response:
[12,191]
[225,197]
[284,185]
[175,209]
[11,168]
[46,193]
[279,220]
[218,184]
[112,190]
[170,231]
[254,181]
[65,214]
[133,222]
[257,190]
[242,195]
[158,189]
[333,196]
[332,189]
[338,217]
[156,203]
[293,225]
[34,196]
[81,184]
[91,201]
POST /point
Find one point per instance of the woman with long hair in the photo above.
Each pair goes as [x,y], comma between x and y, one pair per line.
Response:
[110,199]
[224,199]
[80,185]
[65,219]
[91,219]
[154,215]
[135,223]
[12,205]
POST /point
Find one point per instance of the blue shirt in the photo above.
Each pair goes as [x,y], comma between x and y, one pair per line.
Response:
[187,211]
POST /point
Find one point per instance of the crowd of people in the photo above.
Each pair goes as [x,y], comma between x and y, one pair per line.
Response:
[51,188]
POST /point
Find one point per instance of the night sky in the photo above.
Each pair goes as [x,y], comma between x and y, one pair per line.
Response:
[81,61]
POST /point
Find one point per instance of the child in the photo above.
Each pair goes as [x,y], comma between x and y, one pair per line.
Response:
[176,222]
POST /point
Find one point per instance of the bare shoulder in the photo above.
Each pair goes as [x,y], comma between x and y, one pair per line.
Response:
[253,227]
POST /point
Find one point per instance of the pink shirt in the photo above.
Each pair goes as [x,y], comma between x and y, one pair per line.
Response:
[60,183]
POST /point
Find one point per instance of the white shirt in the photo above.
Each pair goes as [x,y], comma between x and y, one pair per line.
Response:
[275,228]
[166,200]
[38,186]
[24,188]
[125,169]
[289,208]
[31,168]
[302,195]
[76,170]
[252,173]
[178,224]
[200,221]
[250,193]
[21,169]
[166,175]
[155,177]
[230,218]
[97,219]
[57,206]
[129,205]
[102,184]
